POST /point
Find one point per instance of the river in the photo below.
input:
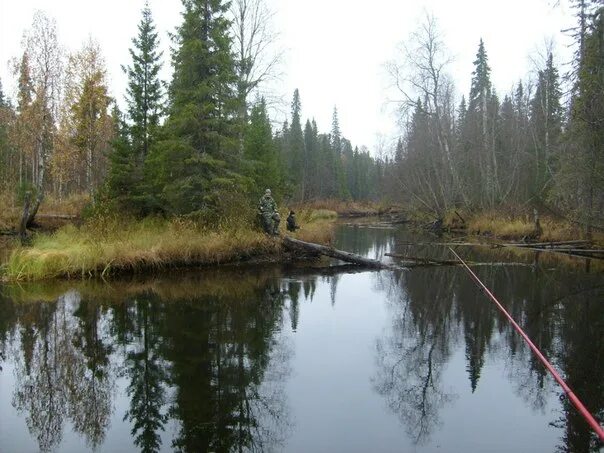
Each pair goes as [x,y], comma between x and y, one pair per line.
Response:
[287,358]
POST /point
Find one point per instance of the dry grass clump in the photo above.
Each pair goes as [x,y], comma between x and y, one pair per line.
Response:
[508,226]
[502,227]
[106,245]
[72,205]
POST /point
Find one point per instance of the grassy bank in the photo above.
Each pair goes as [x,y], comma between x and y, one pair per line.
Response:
[105,247]
[510,225]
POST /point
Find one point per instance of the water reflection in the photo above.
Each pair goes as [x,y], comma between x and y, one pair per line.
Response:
[201,361]
[410,359]
[433,310]
[205,358]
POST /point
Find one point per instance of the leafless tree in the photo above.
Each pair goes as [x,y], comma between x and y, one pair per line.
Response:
[46,68]
[421,81]
[257,57]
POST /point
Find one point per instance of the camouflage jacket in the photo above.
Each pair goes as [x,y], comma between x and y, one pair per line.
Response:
[267,205]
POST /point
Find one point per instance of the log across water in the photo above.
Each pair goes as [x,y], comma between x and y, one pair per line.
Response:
[334,253]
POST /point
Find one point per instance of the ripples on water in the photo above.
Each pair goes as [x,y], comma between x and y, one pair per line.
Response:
[286,359]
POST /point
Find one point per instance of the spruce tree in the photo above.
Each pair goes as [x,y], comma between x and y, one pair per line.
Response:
[336,146]
[260,150]
[121,179]
[297,170]
[481,78]
[480,128]
[196,161]
[580,180]
[144,92]
[134,137]
[311,146]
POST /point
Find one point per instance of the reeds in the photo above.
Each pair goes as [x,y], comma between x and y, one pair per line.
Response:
[108,246]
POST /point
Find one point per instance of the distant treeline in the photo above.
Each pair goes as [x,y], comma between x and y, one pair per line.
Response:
[534,145]
[197,145]
[204,143]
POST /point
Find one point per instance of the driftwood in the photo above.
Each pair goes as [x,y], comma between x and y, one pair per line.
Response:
[413,261]
[423,260]
[548,244]
[334,253]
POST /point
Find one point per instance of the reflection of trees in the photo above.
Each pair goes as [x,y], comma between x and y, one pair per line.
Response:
[60,372]
[431,308]
[477,319]
[410,361]
[93,382]
[147,373]
[582,360]
[201,351]
[219,349]
[41,394]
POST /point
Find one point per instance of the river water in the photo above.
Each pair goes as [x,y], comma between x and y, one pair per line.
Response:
[286,358]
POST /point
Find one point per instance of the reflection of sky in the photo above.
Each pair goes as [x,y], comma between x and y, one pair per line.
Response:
[336,408]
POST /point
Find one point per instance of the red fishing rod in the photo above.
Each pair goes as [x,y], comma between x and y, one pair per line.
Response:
[571,395]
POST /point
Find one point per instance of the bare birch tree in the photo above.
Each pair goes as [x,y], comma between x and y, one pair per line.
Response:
[45,67]
[422,83]
[257,58]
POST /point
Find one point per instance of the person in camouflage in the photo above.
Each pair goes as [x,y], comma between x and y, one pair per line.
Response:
[269,216]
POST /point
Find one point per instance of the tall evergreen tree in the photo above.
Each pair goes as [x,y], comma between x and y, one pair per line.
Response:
[144,92]
[260,149]
[311,146]
[480,128]
[196,160]
[7,168]
[546,119]
[297,161]
[122,182]
[135,137]
[336,147]
[580,180]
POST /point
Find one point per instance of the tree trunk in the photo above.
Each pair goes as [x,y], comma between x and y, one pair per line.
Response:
[24,219]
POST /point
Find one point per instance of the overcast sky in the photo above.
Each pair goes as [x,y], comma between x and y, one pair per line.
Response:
[335,50]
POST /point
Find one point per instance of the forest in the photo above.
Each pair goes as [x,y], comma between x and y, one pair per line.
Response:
[203,144]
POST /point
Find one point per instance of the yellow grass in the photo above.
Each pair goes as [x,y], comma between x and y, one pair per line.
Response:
[107,246]
[517,226]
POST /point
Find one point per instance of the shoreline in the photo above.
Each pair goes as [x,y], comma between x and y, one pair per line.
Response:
[121,248]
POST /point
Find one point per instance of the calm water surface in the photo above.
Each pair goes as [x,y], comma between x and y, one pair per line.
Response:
[324,360]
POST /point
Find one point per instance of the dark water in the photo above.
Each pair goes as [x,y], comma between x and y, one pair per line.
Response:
[286,359]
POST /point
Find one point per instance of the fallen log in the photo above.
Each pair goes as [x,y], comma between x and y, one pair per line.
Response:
[413,262]
[547,244]
[423,260]
[334,253]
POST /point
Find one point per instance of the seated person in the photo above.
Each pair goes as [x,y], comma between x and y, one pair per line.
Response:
[291,222]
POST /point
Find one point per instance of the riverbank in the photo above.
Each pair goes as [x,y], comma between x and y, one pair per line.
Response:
[351,209]
[107,247]
[515,225]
